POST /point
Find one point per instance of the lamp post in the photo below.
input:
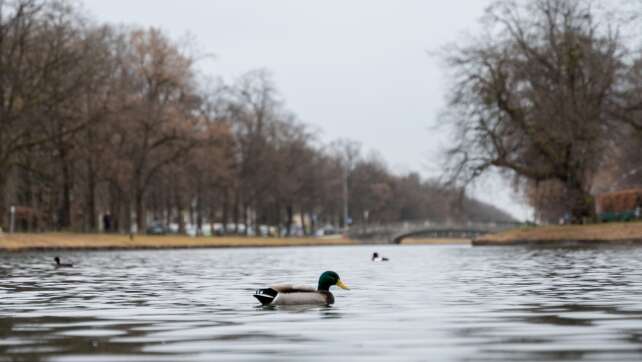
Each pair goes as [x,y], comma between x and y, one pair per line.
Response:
[345,198]
[366,214]
[12,222]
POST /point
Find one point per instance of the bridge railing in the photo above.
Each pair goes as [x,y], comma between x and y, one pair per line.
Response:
[393,231]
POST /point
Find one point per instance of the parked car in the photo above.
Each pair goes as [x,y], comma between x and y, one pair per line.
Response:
[156,229]
[327,230]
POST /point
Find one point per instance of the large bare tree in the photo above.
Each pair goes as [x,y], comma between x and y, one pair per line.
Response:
[532,95]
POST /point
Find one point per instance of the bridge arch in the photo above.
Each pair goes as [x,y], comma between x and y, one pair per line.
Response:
[440,233]
[395,233]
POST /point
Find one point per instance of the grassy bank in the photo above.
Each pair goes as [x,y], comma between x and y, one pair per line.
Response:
[597,233]
[69,241]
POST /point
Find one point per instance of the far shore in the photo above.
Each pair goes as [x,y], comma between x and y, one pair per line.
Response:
[73,241]
[607,233]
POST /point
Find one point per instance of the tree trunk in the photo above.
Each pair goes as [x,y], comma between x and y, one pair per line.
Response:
[211,215]
[115,208]
[580,203]
[245,219]
[277,220]
[235,212]
[290,219]
[3,208]
[225,210]
[64,213]
[199,210]
[167,214]
[127,216]
[180,210]
[140,211]
[191,213]
[313,224]
[303,226]
[90,211]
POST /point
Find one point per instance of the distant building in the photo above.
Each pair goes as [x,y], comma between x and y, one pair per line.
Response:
[621,205]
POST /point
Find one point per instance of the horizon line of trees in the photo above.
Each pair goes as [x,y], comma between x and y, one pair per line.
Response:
[102,120]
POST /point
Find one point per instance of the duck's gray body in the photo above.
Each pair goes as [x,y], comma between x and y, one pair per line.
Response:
[290,294]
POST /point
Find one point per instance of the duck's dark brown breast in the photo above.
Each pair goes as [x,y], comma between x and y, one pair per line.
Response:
[328,297]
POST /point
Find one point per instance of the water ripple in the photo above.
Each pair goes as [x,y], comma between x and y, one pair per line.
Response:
[446,303]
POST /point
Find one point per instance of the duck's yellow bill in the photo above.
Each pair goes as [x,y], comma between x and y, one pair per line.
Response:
[341,285]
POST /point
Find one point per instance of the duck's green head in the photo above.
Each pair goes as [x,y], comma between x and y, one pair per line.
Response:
[330,278]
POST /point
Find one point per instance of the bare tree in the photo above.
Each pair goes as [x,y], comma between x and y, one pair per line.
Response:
[18,103]
[159,125]
[532,96]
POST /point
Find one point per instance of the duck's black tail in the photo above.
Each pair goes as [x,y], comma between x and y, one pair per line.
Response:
[265,296]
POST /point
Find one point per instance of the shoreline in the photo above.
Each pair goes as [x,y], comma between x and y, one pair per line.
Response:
[109,242]
[567,235]
[550,235]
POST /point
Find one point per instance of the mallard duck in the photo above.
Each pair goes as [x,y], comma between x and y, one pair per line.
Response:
[376,257]
[62,265]
[289,294]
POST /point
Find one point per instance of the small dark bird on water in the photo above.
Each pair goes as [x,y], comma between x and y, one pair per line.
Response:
[62,265]
[376,257]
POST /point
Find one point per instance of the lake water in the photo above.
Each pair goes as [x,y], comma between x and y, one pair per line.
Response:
[429,303]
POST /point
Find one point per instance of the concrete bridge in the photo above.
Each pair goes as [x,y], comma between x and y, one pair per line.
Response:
[395,233]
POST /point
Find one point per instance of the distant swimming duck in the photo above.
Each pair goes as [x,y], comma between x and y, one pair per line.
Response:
[377,258]
[62,265]
[289,294]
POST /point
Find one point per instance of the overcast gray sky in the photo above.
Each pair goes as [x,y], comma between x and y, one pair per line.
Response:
[355,69]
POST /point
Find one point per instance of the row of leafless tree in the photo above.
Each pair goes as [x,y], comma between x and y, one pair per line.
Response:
[550,93]
[105,127]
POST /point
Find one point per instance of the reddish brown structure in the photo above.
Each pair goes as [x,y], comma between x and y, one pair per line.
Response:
[619,201]
[619,205]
